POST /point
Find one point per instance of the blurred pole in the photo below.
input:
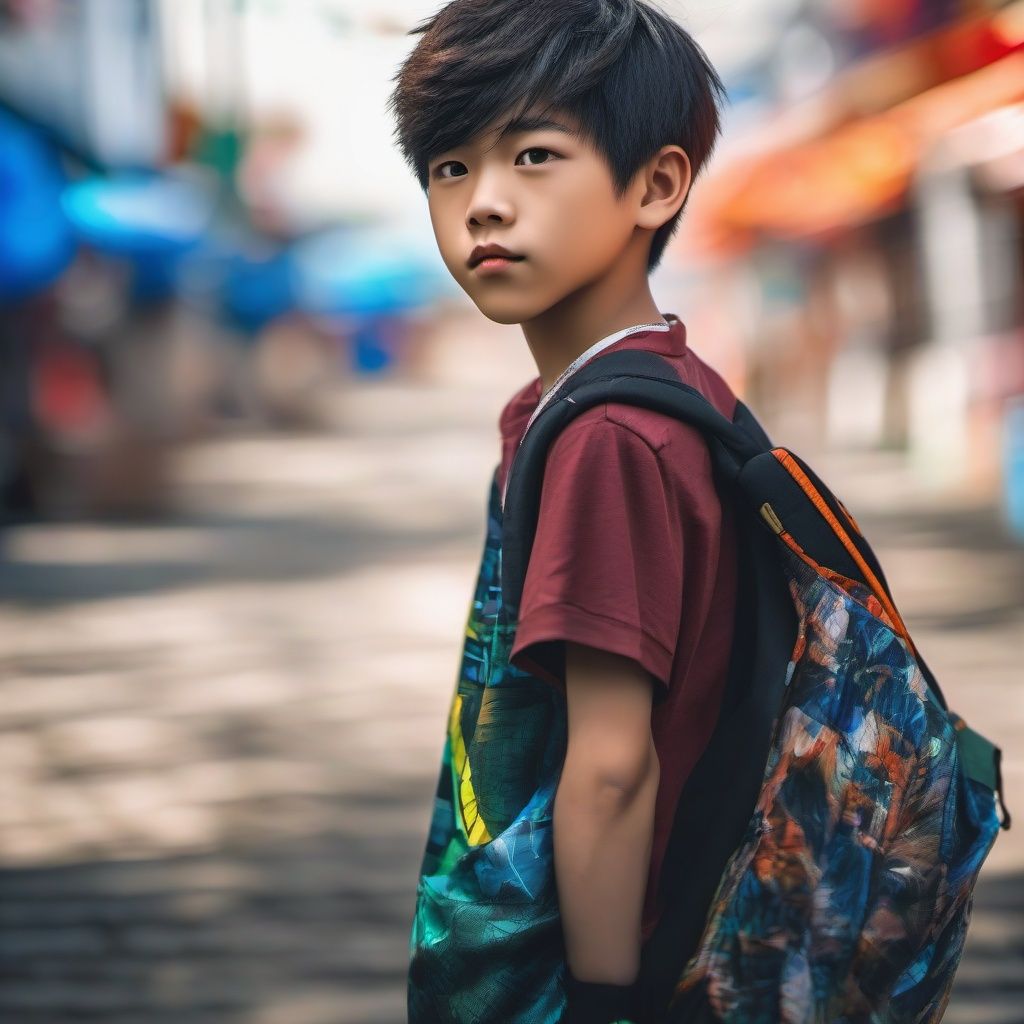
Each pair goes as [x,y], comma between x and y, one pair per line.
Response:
[940,369]
[226,92]
[1013,465]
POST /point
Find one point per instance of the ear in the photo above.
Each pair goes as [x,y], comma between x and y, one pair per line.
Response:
[666,179]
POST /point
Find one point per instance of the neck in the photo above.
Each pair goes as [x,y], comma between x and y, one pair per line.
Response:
[559,334]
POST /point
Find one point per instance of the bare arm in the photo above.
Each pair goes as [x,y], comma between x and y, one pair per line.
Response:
[604,813]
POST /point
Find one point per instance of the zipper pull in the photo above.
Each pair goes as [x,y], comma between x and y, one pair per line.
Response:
[769,516]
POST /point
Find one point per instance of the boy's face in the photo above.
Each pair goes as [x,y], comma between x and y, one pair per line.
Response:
[543,194]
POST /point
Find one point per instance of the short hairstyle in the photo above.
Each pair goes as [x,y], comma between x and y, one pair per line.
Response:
[631,77]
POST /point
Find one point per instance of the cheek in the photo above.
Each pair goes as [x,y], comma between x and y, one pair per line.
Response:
[446,234]
[585,225]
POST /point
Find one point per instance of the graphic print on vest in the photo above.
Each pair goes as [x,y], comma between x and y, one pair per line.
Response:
[486,939]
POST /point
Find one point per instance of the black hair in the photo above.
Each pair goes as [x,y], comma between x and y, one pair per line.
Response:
[631,77]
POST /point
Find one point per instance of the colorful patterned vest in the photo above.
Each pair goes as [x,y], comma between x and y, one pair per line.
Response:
[486,942]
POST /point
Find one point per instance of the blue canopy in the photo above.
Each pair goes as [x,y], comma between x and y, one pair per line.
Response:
[36,243]
[139,214]
[365,271]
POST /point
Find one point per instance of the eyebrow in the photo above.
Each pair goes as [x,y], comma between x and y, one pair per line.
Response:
[534,123]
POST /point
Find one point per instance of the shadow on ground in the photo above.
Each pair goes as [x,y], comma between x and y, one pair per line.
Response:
[294,932]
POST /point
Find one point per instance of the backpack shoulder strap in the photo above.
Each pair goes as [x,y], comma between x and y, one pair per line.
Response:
[635,377]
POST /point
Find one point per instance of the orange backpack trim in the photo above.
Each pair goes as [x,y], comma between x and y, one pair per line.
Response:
[821,505]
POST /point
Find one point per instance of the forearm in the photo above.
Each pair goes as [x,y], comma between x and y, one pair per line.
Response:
[602,844]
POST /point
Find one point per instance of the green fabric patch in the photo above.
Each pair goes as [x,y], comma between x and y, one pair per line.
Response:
[978,756]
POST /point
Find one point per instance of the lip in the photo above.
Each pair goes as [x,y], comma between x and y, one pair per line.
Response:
[495,264]
[491,250]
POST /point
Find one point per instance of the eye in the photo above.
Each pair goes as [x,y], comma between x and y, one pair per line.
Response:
[440,167]
[439,170]
[538,149]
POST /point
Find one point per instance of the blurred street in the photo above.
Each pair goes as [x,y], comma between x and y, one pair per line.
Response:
[248,422]
[220,733]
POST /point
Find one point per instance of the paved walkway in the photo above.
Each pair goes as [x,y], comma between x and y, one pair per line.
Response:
[220,733]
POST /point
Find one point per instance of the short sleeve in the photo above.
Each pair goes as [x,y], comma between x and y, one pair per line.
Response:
[606,568]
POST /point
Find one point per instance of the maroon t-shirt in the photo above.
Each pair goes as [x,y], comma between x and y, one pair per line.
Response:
[635,554]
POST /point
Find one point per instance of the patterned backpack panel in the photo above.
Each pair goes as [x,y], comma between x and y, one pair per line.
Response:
[850,896]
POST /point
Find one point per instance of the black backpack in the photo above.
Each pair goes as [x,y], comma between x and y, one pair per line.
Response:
[824,850]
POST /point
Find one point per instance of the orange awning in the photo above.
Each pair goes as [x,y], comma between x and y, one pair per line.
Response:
[858,171]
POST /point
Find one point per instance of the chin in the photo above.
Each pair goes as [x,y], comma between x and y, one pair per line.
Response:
[502,317]
[512,311]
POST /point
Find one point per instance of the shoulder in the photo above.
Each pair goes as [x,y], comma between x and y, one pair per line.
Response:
[600,427]
[679,448]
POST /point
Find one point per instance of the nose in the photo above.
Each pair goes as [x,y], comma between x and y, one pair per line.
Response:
[488,204]
[476,218]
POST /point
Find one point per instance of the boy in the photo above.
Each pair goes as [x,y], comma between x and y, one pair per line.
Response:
[556,143]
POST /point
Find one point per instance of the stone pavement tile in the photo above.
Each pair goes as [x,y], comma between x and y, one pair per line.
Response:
[311,930]
[985,1008]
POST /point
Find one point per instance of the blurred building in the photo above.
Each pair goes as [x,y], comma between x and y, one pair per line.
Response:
[867,234]
[202,219]
[88,73]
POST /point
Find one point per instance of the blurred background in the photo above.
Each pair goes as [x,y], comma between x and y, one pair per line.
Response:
[247,424]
